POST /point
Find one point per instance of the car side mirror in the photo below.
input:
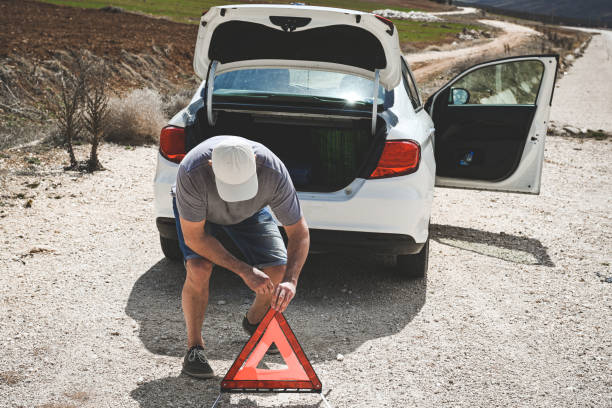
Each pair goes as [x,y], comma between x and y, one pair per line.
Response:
[459,96]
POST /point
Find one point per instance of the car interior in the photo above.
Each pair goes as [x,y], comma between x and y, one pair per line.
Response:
[483,120]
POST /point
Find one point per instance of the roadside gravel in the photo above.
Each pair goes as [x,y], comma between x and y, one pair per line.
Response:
[584,95]
[515,310]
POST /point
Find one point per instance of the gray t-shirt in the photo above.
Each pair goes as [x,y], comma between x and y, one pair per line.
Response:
[197,197]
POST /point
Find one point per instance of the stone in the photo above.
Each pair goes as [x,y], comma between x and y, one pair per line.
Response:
[572,130]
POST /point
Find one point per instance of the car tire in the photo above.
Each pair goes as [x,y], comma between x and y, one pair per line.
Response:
[171,249]
[414,266]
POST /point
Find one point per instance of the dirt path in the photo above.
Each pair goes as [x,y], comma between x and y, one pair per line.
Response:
[461,10]
[439,61]
[584,95]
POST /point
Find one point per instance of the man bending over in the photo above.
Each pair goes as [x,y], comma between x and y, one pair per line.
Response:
[226,183]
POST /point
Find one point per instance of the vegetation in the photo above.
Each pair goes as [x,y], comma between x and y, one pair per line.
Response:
[81,106]
[66,104]
[136,119]
[427,32]
[96,111]
[189,11]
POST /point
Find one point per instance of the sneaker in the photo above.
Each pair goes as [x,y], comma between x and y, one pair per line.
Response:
[250,328]
[196,365]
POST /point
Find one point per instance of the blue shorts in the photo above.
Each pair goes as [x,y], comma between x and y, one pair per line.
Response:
[257,237]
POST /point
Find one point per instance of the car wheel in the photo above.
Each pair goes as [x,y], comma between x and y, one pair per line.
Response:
[414,266]
[170,248]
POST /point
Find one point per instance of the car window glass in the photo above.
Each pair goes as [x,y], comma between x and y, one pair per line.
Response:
[410,87]
[510,83]
[302,82]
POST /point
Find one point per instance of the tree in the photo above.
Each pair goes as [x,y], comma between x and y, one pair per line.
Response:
[96,110]
[65,104]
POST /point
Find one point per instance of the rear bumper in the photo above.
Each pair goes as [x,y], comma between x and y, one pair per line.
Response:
[369,242]
[334,241]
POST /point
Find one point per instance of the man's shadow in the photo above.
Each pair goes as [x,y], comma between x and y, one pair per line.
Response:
[342,301]
[183,391]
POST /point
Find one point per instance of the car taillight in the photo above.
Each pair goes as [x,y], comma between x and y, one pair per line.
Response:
[399,157]
[172,143]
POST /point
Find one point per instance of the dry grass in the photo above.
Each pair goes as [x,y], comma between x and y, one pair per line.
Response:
[10,377]
[178,101]
[136,119]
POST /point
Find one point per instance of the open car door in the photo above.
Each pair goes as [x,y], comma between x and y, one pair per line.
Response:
[491,124]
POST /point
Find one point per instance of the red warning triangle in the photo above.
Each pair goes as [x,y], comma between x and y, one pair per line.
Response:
[244,375]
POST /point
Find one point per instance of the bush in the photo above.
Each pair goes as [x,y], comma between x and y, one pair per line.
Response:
[178,101]
[136,119]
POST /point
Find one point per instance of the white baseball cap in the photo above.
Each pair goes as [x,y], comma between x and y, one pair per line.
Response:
[233,163]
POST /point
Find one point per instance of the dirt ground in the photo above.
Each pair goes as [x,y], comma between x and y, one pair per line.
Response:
[514,311]
[38,30]
[38,41]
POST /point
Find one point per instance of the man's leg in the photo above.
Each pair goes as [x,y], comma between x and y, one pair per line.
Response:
[262,302]
[195,298]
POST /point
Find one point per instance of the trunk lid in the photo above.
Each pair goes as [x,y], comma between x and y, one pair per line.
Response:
[270,36]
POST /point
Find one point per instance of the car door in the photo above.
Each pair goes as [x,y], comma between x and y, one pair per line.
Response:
[491,124]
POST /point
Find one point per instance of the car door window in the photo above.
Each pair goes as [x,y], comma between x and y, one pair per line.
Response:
[511,83]
[410,86]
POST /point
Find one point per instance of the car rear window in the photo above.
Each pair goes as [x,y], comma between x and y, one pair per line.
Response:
[297,82]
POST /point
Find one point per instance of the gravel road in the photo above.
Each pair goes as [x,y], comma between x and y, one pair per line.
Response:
[584,95]
[515,310]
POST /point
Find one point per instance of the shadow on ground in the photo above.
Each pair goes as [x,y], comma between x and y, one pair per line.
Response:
[183,391]
[341,303]
[513,248]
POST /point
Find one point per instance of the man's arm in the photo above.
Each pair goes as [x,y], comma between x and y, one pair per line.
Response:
[210,248]
[297,251]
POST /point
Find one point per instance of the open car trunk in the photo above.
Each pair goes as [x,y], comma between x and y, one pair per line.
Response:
[321,154]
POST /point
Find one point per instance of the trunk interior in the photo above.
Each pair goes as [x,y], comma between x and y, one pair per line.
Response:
[321,154]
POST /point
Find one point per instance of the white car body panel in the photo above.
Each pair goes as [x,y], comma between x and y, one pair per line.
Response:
[527,177]
[165,177]
[321,17]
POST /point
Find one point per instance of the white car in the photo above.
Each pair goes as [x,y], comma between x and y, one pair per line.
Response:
[328,91]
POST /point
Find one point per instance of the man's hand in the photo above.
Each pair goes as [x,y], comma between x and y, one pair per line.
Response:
[259,282]
[284,293]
